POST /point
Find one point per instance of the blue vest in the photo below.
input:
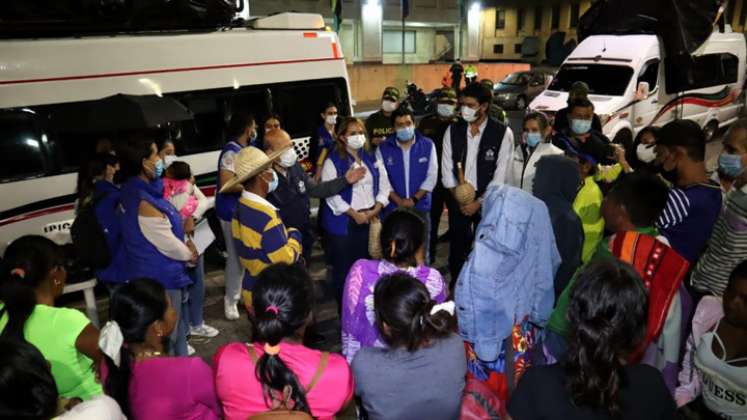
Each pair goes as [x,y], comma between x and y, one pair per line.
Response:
[338,225]
[107,196]
[142,259]
[420,158]
[225,204]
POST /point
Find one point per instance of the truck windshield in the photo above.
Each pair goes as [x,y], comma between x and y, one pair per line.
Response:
[603,79]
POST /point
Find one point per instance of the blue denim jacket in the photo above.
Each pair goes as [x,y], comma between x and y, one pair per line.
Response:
[509,274]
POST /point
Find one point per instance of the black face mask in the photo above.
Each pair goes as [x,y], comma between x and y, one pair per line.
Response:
[670,176]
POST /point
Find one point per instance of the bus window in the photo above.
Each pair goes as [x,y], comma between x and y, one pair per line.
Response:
[21,148]
[300,118]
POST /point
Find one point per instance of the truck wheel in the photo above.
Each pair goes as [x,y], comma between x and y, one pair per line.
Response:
[710,131]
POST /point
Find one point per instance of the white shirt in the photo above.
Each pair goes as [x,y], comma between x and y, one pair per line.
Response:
[100,407]
[363,190]
[523,177]
[157,231]
[503,163]
[432,176]
[257,199]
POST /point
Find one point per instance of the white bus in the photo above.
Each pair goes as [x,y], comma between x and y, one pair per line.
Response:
[286,64]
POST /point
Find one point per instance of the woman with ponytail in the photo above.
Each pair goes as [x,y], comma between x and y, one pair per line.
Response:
[607,313]
[403,247]
[32,276]
[277,371]
[421,375]
[147,383]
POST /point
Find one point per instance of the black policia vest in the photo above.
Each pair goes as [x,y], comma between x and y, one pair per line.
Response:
[487,155]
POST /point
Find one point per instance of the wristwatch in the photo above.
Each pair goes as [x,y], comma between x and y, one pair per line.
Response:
[415,199]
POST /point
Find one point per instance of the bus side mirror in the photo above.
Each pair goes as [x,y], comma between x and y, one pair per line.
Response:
[643,91]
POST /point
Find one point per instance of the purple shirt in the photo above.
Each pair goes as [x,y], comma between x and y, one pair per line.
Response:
[173,388]
[358,316]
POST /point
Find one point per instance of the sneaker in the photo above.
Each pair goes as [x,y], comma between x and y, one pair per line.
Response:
[203,330]
[191,350]
[231,310]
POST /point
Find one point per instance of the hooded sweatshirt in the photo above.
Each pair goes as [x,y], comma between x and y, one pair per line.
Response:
[556,183]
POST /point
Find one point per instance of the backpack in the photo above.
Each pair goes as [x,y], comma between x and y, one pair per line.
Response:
[89,240]
[283,412]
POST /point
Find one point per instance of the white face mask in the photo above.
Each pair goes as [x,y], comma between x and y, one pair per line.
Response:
[646,153]
[288,158]
[331,119]
[469,114]
[445,110]
[356,141]
[168,160]
[388,106]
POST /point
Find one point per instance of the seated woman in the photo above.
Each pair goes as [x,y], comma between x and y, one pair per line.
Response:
[31,277]
[402,244]
[28,390]
[422,373]
[607,313]
[147,383]
[277,370]
[717,387]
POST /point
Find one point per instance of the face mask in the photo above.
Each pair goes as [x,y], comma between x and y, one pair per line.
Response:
[288,158]
[580,126]
[469,114]
[405,134]
[445,110]
[357,141]
[730,165]
[331,119]
[388,106]
[159,168]
[168,160]
[273,185]
[533,139]
[646,153]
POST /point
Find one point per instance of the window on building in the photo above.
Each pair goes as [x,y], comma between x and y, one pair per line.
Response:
[392,41]
[650,74]
[500,19]
[498,49]
[705,71]
[575,11]
[538,18]
[555,17]
[517,48]
[520,18]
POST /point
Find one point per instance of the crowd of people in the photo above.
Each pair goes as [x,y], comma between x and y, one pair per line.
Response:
[586,279]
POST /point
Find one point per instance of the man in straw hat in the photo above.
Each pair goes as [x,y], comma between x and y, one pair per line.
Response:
[261,237]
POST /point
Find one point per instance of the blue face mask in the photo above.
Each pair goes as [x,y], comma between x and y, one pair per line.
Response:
[274,183]
[730,165]
[159,168]
[405,134]
[533,139]
[580,126]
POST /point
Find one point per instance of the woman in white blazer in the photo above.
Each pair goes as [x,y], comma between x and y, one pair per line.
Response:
[534,143]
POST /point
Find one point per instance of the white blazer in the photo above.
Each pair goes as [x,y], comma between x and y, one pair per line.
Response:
[522,176]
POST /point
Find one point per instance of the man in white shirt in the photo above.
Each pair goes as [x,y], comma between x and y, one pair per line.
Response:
[484,147]
[411,164]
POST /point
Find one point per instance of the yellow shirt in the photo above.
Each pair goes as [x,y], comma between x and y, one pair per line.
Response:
[587,205]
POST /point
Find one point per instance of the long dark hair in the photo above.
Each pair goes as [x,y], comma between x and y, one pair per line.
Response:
[90,172]
[402,234]
[404,305]
[631,154]
[282,301]
[132,153]
[607,313]
[27,388]
[26,265]
[134,306]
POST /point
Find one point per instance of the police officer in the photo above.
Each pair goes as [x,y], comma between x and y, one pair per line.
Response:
[434,126]
[295,187]
[379,124]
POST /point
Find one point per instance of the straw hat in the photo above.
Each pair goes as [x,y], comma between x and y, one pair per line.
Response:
[250,162]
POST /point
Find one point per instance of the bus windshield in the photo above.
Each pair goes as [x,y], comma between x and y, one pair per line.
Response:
[603,79]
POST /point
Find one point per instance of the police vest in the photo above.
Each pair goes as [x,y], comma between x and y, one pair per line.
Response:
[487,155]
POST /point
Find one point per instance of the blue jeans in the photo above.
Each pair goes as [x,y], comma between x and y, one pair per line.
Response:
[196,290]
[178,338]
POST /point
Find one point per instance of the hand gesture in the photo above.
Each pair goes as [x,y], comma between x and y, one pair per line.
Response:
[355,174]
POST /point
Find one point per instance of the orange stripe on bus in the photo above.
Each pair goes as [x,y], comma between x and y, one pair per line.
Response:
[335,53]
[310,35]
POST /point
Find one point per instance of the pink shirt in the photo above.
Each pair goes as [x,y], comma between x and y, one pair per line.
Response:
[241,393]
[173,388]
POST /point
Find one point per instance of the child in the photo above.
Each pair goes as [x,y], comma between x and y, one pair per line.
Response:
[179,189]
[587,205]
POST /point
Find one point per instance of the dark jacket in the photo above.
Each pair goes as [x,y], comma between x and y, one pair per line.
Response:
[562,122]
[556,183]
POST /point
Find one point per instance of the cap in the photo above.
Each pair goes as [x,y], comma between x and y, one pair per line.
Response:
[391,93]
[579,88]
[447,94]
[487,83]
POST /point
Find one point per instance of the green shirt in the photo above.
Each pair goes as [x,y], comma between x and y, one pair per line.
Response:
[54,332]
[558,322]
[588,205]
